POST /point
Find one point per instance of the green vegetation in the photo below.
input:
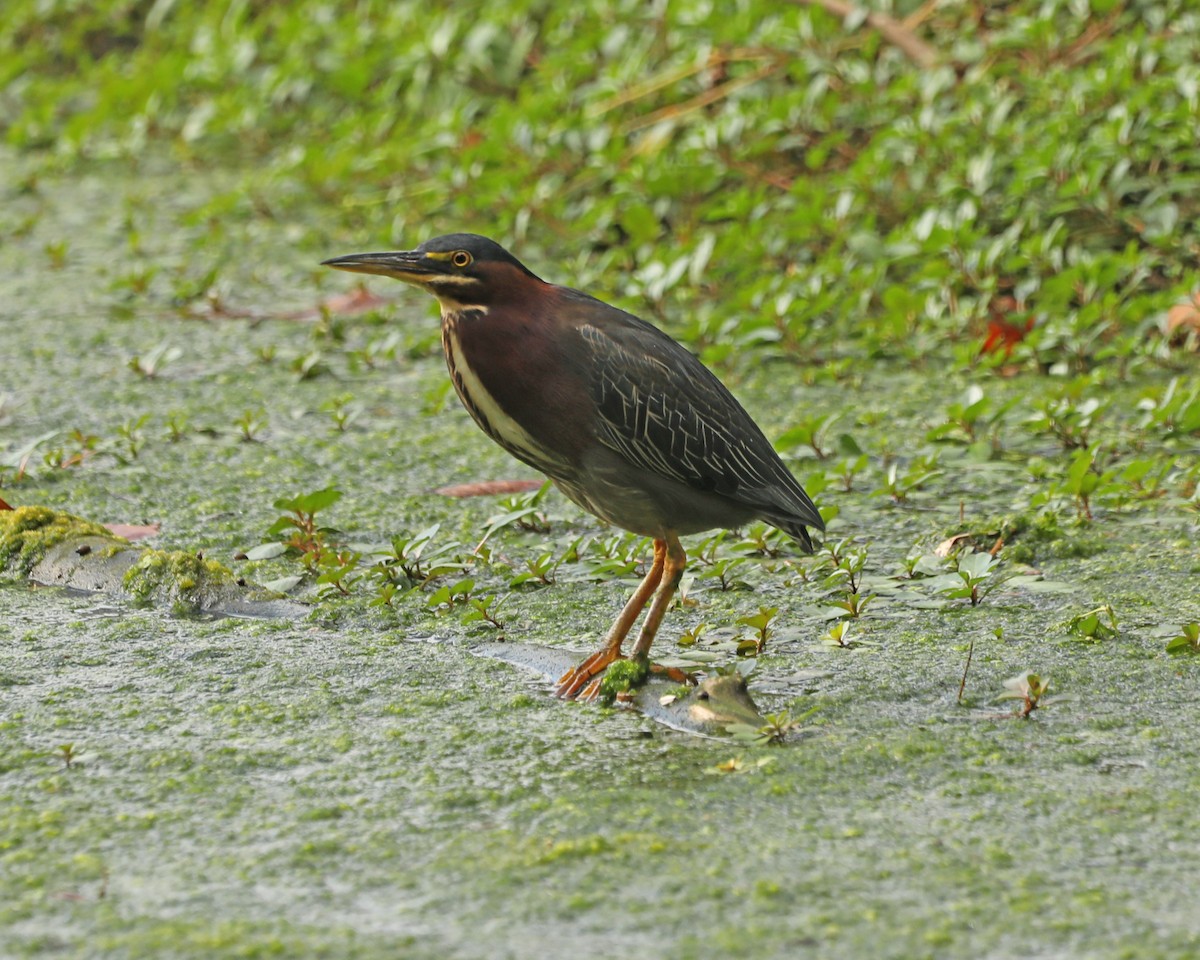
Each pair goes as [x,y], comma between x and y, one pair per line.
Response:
[957,284]
[621,677]
[175,578]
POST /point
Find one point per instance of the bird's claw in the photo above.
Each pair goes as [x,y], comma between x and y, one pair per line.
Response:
[583,681]
[675,675]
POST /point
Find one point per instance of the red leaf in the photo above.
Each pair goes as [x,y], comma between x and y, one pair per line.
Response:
[1004,329]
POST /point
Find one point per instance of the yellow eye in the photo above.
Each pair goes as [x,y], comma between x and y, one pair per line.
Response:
[461,258]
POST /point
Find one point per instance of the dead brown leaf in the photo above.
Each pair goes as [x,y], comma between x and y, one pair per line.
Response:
[133,531]
[488,488]
[947,547]
[1184,319]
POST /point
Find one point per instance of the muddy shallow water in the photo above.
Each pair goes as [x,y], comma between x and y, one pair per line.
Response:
[359,785]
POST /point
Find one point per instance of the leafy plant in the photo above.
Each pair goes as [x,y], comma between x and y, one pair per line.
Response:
[299,522]
[1094,625]
[484,609]
[761,623]
[1070,422]
[418,558]
[338,570]
[810,432]
[840,637]
[1085,478]
[523,510]
[975,576]
[451,595]
[131,437]
[774,730]
[1187,643]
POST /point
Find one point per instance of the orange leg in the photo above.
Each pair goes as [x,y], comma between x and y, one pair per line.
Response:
[673,566]
[570,682]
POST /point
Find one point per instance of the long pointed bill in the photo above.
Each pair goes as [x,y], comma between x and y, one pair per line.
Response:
[402,265]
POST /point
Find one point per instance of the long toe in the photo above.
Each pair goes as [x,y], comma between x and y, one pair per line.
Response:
[591,692]
[575,679]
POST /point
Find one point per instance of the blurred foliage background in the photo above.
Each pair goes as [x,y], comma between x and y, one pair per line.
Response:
[759,176]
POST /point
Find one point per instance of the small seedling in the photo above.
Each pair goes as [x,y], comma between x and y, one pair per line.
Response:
[810,432]
[343,410]
[177,425]
[974,417]
[85,446]
[338,570]
[760,622]
[849,468]
[838,636]
[131,437]
[523,510]
[449,596]
[1092,627]
[846,577]
[540,570]
[738,765]
[151,364]
[1030,689]
[852,604]
[250,424]
[1187,643]
[309,366]
[484,610]
[898,486]
[56,252]
[1085,478]
[419,559]
[1175,412]
[724,571]
[68,755]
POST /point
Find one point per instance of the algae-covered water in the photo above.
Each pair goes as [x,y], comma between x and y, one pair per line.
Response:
[359,785]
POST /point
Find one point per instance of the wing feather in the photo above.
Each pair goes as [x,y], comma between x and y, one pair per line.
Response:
[664,411]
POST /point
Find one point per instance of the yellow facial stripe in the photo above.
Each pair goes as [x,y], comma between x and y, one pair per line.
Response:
[441,278]
[440,256]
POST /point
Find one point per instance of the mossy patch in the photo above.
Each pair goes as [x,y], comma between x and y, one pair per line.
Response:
[1035,535]
[622,677]
[176,577]
[26,533]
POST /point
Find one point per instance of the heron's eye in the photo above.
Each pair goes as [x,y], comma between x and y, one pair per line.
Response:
[461,258]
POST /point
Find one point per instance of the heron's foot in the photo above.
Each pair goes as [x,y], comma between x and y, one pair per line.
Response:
[674,674]
[587,675]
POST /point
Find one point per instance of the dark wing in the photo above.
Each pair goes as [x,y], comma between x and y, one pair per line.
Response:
[662,410]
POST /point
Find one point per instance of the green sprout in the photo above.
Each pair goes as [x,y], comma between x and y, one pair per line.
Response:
[1187,643]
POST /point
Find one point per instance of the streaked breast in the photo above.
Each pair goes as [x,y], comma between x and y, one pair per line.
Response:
[486,411]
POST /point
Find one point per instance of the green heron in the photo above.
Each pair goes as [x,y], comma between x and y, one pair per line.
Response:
[625,421]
